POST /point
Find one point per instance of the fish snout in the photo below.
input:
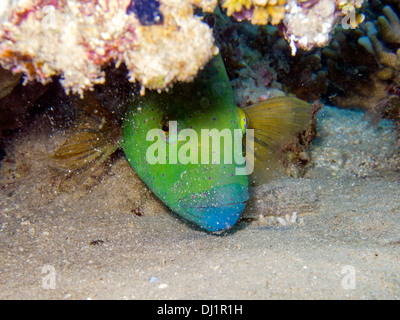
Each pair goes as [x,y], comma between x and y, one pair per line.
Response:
[216,209]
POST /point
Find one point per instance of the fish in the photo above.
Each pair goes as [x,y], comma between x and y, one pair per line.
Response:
[194,148]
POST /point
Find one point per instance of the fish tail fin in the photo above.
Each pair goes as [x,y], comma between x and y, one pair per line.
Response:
[276,122]
[92,140]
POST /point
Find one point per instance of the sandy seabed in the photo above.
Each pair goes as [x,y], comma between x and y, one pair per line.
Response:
[333,234]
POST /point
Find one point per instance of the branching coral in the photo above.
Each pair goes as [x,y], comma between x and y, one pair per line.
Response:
[389,34]
[389,25]
[75,39]
[364,67]
[351,71]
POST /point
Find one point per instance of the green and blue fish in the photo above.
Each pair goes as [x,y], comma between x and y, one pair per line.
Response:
[186,144]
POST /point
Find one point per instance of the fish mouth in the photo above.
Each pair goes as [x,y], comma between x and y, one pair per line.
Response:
[217,209]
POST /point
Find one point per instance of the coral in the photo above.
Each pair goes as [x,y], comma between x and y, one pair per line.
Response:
[389,25]
[227,39]
[260,65]
[258,11]
[306,23]
[309,23]
[306,79]
[308,26]
[352,73]
[364,66]
[257,79]
[160,41]
[75,39]
[389,33]
[273,66]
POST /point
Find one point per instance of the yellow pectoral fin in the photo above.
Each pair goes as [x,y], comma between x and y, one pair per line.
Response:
[276,123]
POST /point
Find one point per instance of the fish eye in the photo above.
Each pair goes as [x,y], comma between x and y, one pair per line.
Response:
[165,125]
[165,128]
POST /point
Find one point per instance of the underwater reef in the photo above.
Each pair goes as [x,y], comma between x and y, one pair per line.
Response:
[118,48]
[160,41]
[305,23]
[363,66]
[351,67]
[154,44]
[358,68]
